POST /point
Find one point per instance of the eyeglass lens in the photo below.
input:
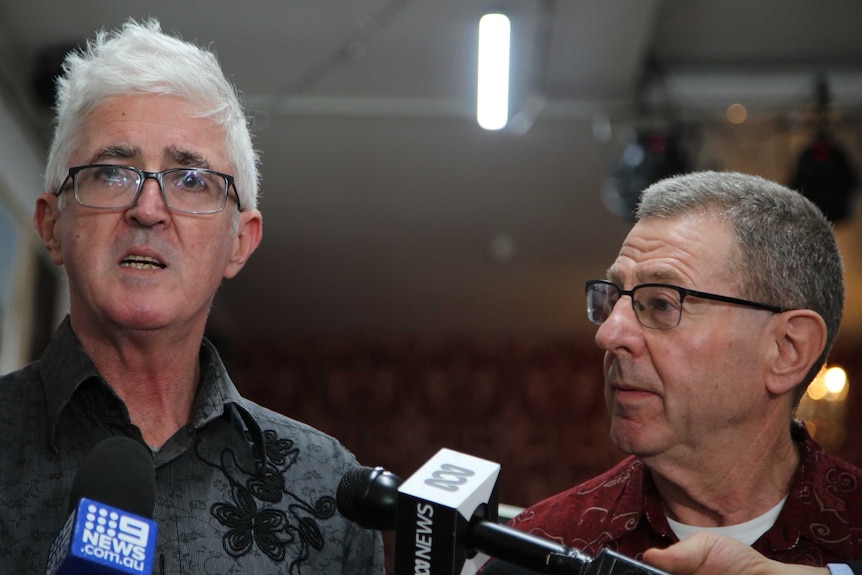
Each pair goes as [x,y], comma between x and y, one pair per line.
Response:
[601,298]
[656,307]
[191,190]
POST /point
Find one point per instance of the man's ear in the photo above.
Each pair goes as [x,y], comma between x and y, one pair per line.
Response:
[248,236]
[46,220]
[800,337]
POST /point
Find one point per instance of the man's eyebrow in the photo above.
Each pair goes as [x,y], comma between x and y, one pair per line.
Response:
[115,152]
[663,276]
[182,157]
[614,276]
[173,155]
[655,276]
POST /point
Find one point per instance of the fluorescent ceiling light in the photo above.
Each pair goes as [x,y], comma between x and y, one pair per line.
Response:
[492,104]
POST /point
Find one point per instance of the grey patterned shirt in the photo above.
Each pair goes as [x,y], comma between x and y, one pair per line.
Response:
[240,489]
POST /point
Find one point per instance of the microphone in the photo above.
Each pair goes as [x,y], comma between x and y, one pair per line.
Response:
[435,537]
[369,496]
[110,530]
[430,512]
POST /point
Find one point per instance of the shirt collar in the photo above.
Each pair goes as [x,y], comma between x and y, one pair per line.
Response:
[810,496]
[217,394]
[654,507]
[65,366]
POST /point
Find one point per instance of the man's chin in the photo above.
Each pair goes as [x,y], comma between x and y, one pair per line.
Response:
[142,318]
[632,437]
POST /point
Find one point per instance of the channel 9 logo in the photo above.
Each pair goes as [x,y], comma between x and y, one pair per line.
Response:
[107,536]
[115,536]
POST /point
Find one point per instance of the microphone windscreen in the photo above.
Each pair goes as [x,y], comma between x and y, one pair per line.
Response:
[119,472]
[369,496]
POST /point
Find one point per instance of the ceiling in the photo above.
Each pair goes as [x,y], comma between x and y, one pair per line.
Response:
[388,210]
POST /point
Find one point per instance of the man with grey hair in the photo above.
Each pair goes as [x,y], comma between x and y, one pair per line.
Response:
[719,310]
[150,203]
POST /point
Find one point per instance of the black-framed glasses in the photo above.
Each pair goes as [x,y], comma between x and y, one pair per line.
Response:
[185,190]
[657,306]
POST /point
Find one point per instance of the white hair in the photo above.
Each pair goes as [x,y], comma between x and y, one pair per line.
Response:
[140,59]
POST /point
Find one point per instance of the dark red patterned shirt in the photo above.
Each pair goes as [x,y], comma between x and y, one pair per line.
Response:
[821,522]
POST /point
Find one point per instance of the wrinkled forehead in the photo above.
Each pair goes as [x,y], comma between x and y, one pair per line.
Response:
[164,130]
[690,250]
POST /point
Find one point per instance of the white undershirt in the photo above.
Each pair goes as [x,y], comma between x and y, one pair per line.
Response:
[747,532]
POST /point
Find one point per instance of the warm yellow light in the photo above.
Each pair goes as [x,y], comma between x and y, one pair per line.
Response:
[822,408]
[736,113]
[830,384]
[492,102]
[817,390]
[835,379]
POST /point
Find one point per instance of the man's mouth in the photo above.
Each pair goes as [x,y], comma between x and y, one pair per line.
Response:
[142,263]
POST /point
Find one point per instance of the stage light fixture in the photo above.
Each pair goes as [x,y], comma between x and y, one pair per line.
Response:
[651,156]
[825,176]
[824,173]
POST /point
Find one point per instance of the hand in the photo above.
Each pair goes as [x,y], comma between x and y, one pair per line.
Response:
[709,554]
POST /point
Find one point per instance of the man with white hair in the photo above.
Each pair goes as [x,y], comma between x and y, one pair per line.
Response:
[150,203]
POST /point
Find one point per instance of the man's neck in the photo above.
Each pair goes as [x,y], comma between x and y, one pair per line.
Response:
[155,376]
[730,487]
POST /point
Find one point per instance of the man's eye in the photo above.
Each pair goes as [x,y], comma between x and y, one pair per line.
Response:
[193,181]
[662,303]
[111,176]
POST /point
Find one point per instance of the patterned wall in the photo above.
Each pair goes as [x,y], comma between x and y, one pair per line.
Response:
[533,405]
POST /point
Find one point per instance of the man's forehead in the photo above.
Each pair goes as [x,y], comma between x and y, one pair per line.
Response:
[677,250]
[164,120]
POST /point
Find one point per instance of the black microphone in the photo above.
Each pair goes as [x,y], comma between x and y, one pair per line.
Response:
[369,496]
[110,529]
[373,497]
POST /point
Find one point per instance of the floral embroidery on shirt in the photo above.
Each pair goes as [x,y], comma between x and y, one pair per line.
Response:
[249,525]
[272,530]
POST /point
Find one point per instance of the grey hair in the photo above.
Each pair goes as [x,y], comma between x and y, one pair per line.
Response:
[786,253]
[140,59]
